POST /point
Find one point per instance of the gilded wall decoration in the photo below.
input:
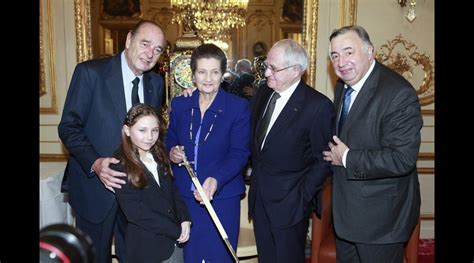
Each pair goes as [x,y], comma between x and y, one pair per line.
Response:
[42,84]
[418,68]
[259,28]
[82,18]
[348,13]
[310,34]
[258,20]
[47,85]
[164,17]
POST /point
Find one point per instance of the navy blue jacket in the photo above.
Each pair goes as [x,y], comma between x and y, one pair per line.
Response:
[91,127]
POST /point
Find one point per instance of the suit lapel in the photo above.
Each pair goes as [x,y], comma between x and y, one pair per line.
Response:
[114,82]
[363,98]
[289,112]
[148,90]
[258,113]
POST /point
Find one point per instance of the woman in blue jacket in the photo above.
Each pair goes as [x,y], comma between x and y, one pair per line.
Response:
[212,128]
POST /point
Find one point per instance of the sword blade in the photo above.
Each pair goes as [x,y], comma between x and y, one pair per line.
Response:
[209,208]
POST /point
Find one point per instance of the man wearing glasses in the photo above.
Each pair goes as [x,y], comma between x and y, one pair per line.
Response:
[291,125]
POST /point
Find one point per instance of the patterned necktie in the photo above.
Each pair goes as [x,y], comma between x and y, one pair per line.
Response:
[345,106]
[135,98]
[262,130]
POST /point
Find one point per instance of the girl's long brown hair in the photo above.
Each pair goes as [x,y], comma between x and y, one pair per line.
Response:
[128,153]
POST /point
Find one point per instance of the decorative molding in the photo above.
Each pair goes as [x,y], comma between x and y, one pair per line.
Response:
[82,19]
[47,59]
[426,170]
[310,34]
[42,84]
[347,12]
[46,157]
[258,20]
[406,64]
[163,17]
[426,156]
[428,112]
[427,216]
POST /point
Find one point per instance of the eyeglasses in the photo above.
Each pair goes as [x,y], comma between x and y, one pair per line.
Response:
[265,67]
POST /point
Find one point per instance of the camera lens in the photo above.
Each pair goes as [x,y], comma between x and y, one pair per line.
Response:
[66,244]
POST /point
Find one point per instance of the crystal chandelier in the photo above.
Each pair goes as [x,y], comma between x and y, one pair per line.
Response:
[211,19]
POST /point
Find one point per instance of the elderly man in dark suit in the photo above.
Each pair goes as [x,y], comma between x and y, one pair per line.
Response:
[291,124]
[99,95]
[376,194]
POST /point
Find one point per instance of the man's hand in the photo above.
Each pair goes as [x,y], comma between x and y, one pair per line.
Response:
[248,91]
[337,150]
[209,186]
[106,175]
[185,231]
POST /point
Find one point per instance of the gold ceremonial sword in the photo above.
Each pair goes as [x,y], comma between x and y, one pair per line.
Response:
[209,207]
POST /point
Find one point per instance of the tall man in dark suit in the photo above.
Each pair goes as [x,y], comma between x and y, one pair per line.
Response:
[376,194]
[287,162]
[98,98]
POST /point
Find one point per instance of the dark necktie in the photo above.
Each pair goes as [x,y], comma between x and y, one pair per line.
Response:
[262,130]
[135,98]
[345,106]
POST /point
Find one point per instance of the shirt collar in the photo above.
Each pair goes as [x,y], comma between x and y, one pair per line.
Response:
[289,91]
[361,82]
[127,73]
[217,106]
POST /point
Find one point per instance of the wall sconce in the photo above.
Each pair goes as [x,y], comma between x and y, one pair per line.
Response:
[411,15]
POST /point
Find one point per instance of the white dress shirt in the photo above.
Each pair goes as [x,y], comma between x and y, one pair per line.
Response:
[357,87]
[152,166]
[279,105]
[128,77]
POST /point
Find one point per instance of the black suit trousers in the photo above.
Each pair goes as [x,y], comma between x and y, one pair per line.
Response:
[348,252]
[275,245]
[101,235]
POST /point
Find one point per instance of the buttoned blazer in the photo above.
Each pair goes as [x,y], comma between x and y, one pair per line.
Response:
[376,199]
[289,170]
[91,127]
[154,215]
[223,153]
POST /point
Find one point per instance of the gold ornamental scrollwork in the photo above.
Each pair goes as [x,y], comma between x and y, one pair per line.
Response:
[403,57]
[310,33]
[82,18]
[42,84]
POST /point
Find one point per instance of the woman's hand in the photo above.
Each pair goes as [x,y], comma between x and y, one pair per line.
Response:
[209,186]
[185,231]
[177,154]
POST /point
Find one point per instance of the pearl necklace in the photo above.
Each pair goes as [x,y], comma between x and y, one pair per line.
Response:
[191,129]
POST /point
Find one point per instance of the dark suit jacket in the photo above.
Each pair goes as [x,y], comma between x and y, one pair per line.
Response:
[91,127]
[377,198]
[289,170]
[154,217]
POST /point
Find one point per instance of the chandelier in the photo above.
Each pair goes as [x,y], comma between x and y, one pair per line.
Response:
[212,20]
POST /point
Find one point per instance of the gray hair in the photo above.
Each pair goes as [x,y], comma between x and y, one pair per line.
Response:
[245,64]
[360,31]
[293,53]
